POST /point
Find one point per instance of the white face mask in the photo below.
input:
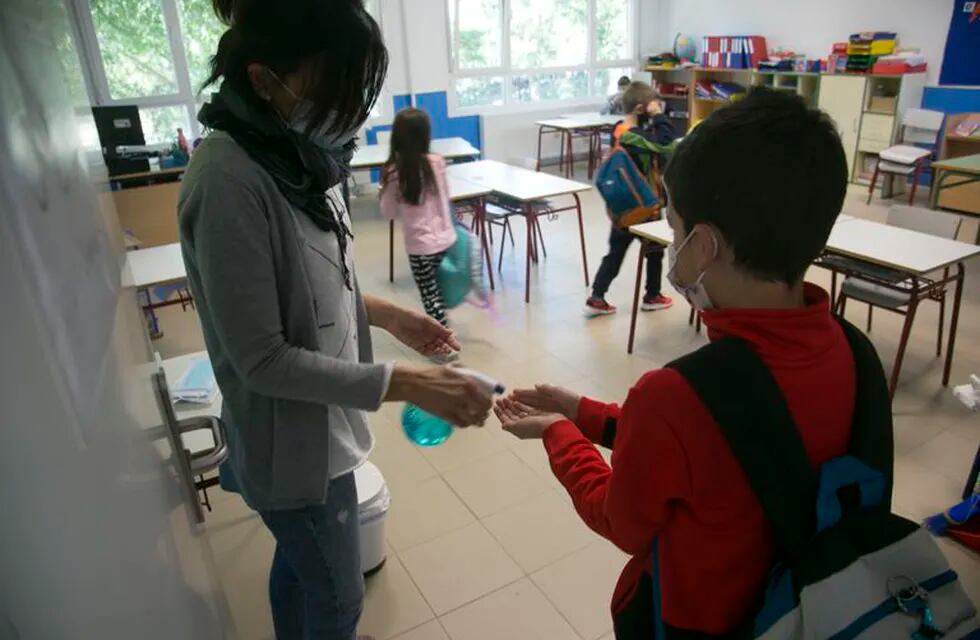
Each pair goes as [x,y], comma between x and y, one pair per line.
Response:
[695,293]
[299,118]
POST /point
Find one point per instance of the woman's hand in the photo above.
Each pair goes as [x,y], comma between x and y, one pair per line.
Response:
[549,399]
[523,421]
[442,391]
[411,328]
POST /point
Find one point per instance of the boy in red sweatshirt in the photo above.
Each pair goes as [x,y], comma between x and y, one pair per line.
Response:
[754,191]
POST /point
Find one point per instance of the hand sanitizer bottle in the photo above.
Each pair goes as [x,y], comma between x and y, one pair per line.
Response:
[427,430]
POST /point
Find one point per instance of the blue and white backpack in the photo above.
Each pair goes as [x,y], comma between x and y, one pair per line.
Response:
[629,197]
[848,567]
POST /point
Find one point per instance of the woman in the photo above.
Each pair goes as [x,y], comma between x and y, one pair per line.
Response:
[269,253]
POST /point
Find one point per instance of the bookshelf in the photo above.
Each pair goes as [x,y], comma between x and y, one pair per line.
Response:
[804,84]
[678,107]
[867,108]
[701,108]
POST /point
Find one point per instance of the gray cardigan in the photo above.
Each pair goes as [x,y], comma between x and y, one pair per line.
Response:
[247,273]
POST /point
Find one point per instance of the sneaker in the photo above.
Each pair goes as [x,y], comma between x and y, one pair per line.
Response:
[598,307]
[445,358]
[656,303]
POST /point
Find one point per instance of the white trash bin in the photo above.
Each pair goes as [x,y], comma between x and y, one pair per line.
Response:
[373,500]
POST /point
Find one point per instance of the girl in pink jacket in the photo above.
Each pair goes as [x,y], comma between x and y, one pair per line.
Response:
[413,188]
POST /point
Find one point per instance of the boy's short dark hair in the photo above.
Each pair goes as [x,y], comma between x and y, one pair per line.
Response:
[637,94]
[770,174]
[623,81]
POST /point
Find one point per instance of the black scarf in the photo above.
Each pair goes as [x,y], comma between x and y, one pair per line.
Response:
[302,171]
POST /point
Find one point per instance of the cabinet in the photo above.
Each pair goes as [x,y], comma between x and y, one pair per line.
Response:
[842,97]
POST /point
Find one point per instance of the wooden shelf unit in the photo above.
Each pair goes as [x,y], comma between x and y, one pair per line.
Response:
[678,106]
[866,128]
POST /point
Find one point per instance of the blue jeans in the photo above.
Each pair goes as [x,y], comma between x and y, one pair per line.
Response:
[315,585]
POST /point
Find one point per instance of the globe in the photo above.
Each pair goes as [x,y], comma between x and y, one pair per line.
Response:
[684,47]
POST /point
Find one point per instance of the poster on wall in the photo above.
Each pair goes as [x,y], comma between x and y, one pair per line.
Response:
[961,61]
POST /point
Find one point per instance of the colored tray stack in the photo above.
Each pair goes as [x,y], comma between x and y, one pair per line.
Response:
[864,49]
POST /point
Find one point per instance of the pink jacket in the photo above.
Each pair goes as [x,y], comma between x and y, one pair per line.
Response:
[427,226]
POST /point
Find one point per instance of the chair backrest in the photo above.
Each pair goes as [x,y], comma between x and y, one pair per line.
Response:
[922,125]
[935,223]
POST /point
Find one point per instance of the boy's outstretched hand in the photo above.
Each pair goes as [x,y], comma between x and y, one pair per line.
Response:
[523,421]
[549,399]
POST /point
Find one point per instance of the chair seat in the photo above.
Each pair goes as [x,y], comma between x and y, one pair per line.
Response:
[904,154]
[876,294]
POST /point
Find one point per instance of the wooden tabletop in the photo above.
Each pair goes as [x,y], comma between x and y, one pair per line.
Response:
[515,182]
[152,173]
[874,242]
[962,164]
[154,266]
[373,156]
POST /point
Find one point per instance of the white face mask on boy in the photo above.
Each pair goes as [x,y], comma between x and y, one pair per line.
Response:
[695,293]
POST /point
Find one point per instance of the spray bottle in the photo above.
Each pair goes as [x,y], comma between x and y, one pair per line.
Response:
[427,430]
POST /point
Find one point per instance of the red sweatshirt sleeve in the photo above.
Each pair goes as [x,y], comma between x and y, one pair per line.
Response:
[594,418]
[630,502]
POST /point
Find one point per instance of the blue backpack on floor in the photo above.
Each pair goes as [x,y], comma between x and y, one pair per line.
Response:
[628,195]
[847,567]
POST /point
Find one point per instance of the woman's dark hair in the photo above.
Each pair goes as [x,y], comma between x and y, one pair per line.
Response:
[336,42]
[410,136]
[770,174]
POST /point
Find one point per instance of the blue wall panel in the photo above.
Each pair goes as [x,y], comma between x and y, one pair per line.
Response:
[466,127]
[435,104]
[950,100]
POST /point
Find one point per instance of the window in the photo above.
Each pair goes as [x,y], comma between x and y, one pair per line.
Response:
[527,51]
[135,48]
[155,54]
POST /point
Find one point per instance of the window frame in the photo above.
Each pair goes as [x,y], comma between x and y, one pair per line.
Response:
[508,71]
[186,96]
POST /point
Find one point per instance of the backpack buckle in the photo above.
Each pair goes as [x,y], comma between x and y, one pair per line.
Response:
[912,599]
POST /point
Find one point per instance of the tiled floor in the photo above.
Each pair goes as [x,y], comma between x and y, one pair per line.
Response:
[482,542]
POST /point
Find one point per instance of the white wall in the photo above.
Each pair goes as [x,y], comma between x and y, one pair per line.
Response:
[807,27]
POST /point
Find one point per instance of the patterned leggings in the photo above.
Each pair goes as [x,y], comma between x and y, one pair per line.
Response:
[424,270]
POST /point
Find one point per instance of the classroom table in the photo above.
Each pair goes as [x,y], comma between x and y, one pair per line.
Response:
[526,192]
[965,167]
[913,255]
[373,156]
[152,267]
[576,125]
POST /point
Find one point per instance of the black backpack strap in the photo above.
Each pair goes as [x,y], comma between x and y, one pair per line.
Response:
[740,393]
[872,433]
